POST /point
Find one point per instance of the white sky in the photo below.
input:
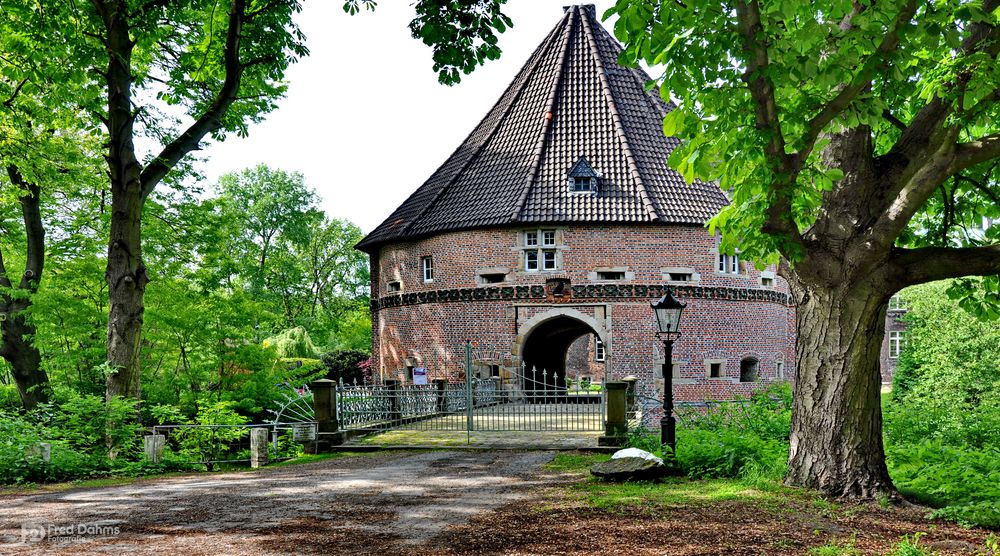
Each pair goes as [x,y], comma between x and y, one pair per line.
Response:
[365,119]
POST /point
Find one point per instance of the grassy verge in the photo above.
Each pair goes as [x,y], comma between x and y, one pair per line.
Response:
[671,492]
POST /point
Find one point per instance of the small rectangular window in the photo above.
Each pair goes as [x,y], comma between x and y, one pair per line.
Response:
[895,344]
[548,238]
[715,370]
[896,303]
[531,238]
[393,286]
[766,281]
[610,275]
[582,184]
[531,260]
[679,276]
[427,264]
[548,260]
[598,350]
[492,277]
[729,264]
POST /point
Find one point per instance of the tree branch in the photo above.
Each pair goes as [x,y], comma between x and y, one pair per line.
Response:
[779,213]
[29,196]
[927,264]
[975,152]
[211,120]
[17,90]
[861,81]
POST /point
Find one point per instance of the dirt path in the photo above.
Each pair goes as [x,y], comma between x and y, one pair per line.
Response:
[373,504]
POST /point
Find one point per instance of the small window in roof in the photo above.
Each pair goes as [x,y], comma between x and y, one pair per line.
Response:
[583,177]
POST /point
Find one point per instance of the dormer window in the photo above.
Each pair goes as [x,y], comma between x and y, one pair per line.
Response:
[582,177]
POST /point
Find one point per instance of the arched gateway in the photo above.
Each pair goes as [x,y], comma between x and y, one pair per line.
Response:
[545,236]
[543,343]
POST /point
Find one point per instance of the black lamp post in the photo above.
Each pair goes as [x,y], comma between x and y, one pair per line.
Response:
[668,321]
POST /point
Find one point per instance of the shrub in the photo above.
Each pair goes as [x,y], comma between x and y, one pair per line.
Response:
[10,399]
[346,364]
[21,462]
[706,454]
[203,444]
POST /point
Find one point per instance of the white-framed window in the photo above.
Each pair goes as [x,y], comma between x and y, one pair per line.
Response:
[540,250]
[599,354]
[896,303]
[427,268]
[531,260]
[548,260]
[728,264]
[393,286]
[895,344]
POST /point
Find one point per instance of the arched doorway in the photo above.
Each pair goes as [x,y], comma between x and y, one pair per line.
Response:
[545,342]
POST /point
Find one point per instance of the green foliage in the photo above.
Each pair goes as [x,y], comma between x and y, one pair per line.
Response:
[910,546]
[821,77]
[461,33]
[294,342]
[88,424]
[947,382]
[213,440]
[745,439]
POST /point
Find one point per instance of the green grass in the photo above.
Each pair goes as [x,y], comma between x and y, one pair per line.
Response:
[669,493]
[836,548]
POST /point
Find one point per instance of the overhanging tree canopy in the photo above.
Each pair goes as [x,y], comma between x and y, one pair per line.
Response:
[859,141]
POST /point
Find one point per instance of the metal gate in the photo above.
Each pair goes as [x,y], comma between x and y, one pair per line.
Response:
[525,400]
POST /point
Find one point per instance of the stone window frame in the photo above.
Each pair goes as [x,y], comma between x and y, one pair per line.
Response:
[481,274]
[595,275]
[544,256]
[727,264]
[723,375]
[427,268]
[779,369]
[895,343]
[667,271]
[394,286]
[767,279]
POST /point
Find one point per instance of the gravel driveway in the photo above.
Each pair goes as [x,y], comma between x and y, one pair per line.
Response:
[382,504]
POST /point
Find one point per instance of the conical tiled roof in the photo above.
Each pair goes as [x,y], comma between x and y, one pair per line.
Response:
[571,100]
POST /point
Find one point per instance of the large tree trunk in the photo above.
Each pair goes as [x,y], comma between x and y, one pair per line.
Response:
[16,331]
[126,273]
[836,437]
[19,350]
[127,279]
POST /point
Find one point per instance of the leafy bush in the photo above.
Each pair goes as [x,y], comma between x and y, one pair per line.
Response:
[207,443]
[90,425]
[346,364]
[706,454]
[20,453]
[741,439]
[10,399]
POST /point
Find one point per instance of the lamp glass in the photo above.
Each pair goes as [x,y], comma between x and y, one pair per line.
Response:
[668,313]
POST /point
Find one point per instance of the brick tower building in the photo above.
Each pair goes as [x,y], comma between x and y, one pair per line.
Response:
[556,223]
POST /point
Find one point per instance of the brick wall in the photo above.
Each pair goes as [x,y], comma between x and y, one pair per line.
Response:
[893,323]
[430,332]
